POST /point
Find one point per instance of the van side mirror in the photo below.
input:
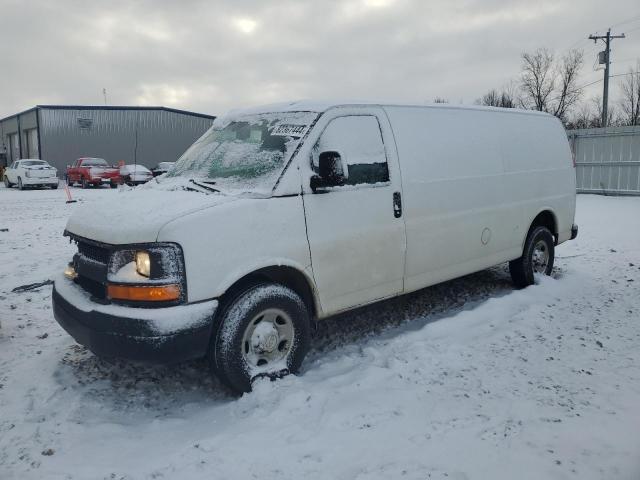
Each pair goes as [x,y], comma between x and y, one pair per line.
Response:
[330,172]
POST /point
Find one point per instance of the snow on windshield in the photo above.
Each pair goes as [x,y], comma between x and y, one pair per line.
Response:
[245,153]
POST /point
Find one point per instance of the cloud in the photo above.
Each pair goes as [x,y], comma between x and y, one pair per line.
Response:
[163,94]
[210,56]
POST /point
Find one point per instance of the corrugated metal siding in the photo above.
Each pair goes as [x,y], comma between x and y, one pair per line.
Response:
[607,160]
[9,128]
[145,136]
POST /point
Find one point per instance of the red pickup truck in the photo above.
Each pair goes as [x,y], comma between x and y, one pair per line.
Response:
[93,171]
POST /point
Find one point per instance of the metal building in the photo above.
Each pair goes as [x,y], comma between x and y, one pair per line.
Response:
[62,133]
[607,160]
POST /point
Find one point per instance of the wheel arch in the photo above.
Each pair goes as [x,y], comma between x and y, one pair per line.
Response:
[544,218]
[286,275]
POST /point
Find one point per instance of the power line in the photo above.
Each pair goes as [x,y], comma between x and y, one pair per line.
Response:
[633,29]
[578,89]
[628,73]
[631,20]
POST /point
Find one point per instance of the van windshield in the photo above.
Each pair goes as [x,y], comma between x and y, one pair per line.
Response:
[245,153]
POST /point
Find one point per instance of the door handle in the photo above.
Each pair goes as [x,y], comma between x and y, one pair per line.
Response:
[397,204]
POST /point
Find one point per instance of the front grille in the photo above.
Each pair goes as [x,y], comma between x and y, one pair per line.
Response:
[91,264]
[96,289]
[93,252]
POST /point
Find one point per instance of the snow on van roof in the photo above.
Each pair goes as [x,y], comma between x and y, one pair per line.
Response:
[324,105]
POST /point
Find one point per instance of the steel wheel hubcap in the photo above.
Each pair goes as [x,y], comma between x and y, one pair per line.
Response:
[540,257]
[268,339]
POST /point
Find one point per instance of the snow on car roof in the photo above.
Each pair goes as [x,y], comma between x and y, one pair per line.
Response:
[135,168]
[324,105]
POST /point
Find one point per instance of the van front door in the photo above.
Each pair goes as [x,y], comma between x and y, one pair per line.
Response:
[354,214]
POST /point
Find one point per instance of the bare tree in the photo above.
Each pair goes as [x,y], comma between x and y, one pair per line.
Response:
[586,116]
[630,102]
[550,85]
[440,100]
[611,113]
[505,97]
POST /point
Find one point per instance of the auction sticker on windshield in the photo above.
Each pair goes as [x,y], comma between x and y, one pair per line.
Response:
[289,130]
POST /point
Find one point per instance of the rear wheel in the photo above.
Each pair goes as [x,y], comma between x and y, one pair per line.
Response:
[7,183]
[262,332]
[54,186]
[537,257]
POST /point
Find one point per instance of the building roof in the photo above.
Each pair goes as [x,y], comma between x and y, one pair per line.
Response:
[107,107]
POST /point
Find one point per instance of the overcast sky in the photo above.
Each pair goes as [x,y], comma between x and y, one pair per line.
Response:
[210,56]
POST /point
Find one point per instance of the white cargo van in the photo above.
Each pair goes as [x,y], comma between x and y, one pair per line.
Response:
[286,214]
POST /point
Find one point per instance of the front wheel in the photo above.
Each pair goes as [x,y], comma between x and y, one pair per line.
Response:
[262,332]
[85,183]
[537,257]
[20,185]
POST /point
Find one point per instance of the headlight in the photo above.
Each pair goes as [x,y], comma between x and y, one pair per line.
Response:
[143,263]
[151,272]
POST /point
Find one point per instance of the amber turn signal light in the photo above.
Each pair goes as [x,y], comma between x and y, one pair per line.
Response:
[144,293]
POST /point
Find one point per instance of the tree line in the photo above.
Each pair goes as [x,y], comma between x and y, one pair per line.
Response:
[549,83]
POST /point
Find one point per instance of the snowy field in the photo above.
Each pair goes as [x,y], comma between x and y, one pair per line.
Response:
[465,380]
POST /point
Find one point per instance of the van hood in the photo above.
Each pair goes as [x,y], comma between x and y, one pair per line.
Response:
[136,216]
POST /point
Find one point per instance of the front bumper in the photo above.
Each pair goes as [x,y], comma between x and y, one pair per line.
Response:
[151,335]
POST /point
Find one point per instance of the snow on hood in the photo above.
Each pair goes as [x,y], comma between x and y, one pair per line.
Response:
[137,215]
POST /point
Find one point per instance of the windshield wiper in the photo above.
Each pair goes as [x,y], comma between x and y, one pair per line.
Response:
[204,185]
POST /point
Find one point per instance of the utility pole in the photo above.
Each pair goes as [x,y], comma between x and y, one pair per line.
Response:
[607,54]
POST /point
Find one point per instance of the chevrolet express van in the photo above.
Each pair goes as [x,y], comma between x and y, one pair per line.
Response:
[282,215]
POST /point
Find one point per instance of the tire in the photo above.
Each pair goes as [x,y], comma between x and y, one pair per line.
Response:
[7,183]
[54,187]
[85,183]
[20,185]
[113,185]
[537,257]
[262,332]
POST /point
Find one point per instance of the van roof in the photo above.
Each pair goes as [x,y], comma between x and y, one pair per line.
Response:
[324,105]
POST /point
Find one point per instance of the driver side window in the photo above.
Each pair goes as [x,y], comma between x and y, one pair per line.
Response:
[354,145]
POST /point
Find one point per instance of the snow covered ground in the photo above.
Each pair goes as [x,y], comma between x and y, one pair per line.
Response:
[466,380]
